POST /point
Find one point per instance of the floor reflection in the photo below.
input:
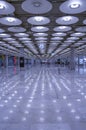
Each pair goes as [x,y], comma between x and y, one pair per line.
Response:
[39,98]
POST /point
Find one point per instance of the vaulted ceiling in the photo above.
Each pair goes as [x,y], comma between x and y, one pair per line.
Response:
[42,28]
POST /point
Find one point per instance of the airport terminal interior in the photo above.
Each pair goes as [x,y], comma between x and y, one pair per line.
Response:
[42,64]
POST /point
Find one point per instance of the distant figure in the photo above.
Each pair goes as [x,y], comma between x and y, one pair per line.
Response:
[59,71]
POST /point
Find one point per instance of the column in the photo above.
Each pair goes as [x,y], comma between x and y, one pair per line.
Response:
[6,61]
[18,61]
[22,62]
[72,59]
[7,66]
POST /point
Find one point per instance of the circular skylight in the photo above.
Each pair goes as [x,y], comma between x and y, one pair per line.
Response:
[41,46]
[8,39]
[69,41]
[40,34]
[78,43]
[13,42]
[81,29]
[36,6]
[62,28]
[78,34]
[84,22]
[21,35]
[73,6]
[38,20]
[24,38]
[84,39]
[67,20]
[59,34]
[41,38]
[1,42]
[73,38]
[10,21]
[5,35]
[57,41]
[39,29]
[16,29]
[41,41]
[1,30]
[6,8]
[56,38]
[26,42]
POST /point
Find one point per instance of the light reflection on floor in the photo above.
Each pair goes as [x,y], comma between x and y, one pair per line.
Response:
[39,98]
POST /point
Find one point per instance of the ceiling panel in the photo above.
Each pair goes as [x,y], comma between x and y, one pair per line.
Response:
[44,28]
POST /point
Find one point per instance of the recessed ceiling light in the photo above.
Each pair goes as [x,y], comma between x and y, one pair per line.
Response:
[39,18]
[59,34]
[73,38]
[57,38]
[84,22]
[81,29]
[4,35]
[2,6]
[41,38]
[67,18]
[75,5]
[78,34]
[6,8]
[62,27]
[41,46]
[36,4]
[41,41]
[40,34]
[39,27]
[9,19]
[1,30]
[21,34]
[17,29]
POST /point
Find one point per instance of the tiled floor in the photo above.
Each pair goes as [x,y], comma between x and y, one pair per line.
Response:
[41,98]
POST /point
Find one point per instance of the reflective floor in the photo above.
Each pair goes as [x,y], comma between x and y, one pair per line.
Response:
[42,98]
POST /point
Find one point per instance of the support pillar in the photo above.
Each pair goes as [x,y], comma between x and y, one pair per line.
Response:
[22,60]
[18,61]
[6,61]
[72,59]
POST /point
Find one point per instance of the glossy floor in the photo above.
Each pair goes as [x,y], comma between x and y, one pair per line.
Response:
[42,98]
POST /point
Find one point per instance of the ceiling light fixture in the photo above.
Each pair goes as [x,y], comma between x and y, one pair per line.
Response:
[2,7]
[75,5]
[41,46]
[40,27]
[67,18]
[36,4]
[59,33]
[39,18]
[41,34]
[62,27]
[9,19]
